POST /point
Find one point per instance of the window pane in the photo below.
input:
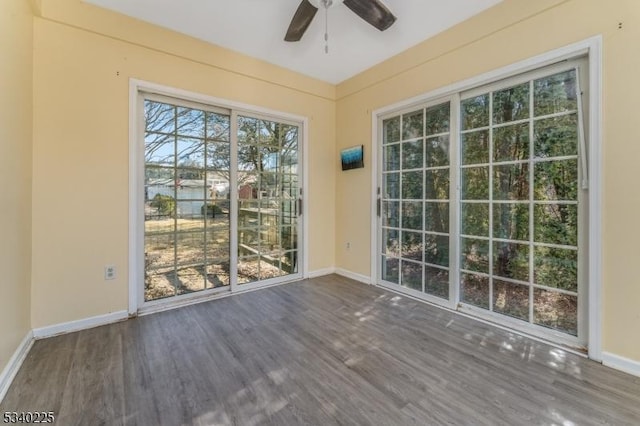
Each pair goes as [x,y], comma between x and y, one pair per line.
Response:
[436,217]
[391,242]
[159,117]
[218,156]
[412,275]
[474,255]
[437,184]
[436,282]
[438,119]
[437,152]
[190,248]
[511,143]
[436,249]
[218,127]
[412,215]
[556,137]
[511,299]
[554,94]
[475,147]
[190,279]
[412,155]
[217,244]
[391,130]
[218,274]
[390,269]
[555,310]
[159,251]
[412,185]
[556,180]
[511,182]
[247,130]
[556,224]
[159,284]
[511,104]
[474,290]
[557,268]
[412,245]
[190,122]
[412,125]
[391,185]
[511,260]
[511,221]
[392,157]
[475,112]
[391,214]
[475,183]
[159,149]
[475,219]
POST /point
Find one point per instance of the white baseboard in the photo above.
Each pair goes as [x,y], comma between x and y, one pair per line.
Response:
[358,277]
[14,364]
[621,363]
[321,272]
[83,324]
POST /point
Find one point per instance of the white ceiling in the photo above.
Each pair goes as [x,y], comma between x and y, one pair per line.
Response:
[257,28]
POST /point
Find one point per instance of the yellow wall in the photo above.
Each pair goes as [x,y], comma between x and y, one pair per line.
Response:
[84,57]
[16,66]
[512,31]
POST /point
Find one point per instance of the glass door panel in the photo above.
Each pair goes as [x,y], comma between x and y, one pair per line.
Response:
[186,232]
[415,200]
[268,188]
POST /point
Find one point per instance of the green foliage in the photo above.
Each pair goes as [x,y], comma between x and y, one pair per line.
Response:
[412,125]
[438,119]
[211,210]
[511,104]
[391,130]
[165,204]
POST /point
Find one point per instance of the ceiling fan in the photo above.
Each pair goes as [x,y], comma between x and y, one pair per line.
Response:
[372,11]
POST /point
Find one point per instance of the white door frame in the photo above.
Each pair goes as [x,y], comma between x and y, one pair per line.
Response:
[136,190]
[592,47]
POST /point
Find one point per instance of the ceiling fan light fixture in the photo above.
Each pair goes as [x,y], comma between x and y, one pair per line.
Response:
[372,11]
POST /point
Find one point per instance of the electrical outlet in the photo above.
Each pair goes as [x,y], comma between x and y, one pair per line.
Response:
[348,246]
[109,272]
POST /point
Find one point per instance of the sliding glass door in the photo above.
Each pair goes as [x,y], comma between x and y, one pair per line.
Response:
[483,201]
[221,199]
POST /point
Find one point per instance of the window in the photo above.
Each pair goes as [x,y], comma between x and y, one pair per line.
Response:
[483,204]
[222,197]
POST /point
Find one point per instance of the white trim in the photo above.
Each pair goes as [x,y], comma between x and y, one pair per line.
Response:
[620,363]
[354,276]
[595,198]
[304,146]
[15,362]
[320,272]
[591,47]
[134,179]
[376,165]
[82,324]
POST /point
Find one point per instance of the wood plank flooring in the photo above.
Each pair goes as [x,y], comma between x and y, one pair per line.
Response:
[326,351]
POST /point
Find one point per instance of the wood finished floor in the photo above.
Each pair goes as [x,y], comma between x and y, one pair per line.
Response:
[320,352]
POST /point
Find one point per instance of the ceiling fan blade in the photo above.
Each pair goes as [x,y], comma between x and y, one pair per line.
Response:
[300,21]
[372,11]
